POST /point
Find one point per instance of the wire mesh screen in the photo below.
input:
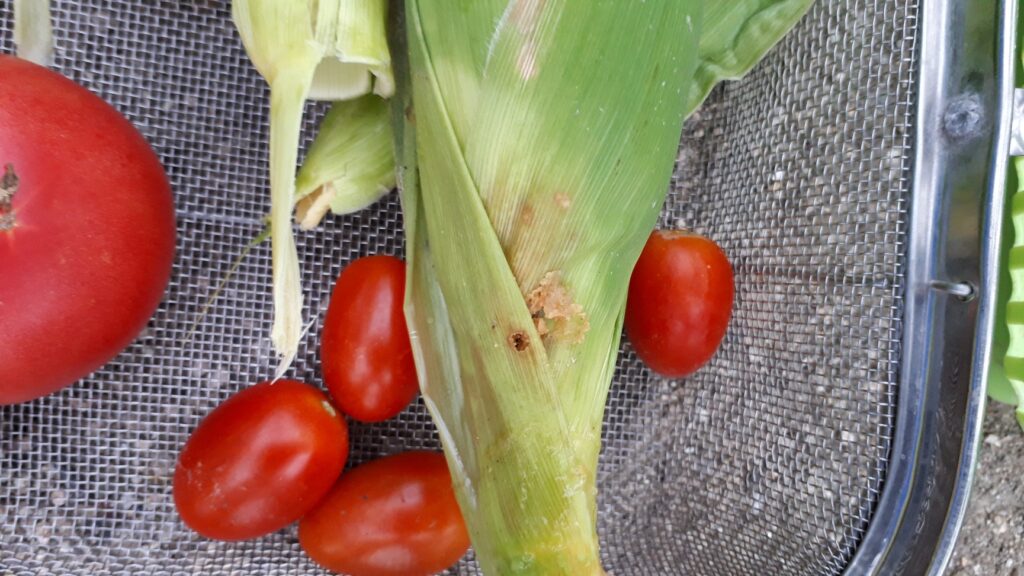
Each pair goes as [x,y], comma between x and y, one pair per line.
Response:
[770,460]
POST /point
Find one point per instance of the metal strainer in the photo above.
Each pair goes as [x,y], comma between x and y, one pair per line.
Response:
[834,432]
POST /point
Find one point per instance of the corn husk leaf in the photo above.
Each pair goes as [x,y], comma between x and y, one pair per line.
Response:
[351,163]
[33,31]
[538,143]
[519,412]
[999,387]
[326,49]
[1013,312]
[736,36]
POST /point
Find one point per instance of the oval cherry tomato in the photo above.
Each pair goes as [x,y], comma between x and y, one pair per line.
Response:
[365,351]
[680,301]
[86,239]
[396,516]
[260,461]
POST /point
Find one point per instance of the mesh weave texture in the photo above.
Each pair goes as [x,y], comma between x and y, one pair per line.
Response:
[768,461]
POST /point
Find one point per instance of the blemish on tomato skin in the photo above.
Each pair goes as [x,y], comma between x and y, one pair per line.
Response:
[9,183]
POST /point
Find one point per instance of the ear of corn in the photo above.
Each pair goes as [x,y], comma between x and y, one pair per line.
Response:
[544,148]
[328,49]
[33,32]
[350,165]
[536,141]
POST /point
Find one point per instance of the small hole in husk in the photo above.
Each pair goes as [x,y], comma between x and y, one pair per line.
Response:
[519,341]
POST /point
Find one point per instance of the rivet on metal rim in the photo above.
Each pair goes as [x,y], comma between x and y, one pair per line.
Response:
[964,291]
[964,118]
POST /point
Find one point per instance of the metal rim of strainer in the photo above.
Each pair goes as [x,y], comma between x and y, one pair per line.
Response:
[945,366]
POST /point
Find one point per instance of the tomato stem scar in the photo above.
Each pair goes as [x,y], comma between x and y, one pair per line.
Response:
[8,187]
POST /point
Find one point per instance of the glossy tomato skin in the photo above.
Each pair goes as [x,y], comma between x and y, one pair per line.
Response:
[367,359]
[680,301]
[396,516]
[90,254]
[260,461]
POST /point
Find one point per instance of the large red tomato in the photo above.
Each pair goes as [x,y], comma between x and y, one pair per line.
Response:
[396,516]
[680,301]
[260,461]
[86,234]
[365,350]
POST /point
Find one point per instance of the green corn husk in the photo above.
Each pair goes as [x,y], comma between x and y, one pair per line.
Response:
[33,31]
[323,49]
[536,143]
[350,165]
[736,35]
[1013,311]
[592,118]
[1007,362]
[999,387]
